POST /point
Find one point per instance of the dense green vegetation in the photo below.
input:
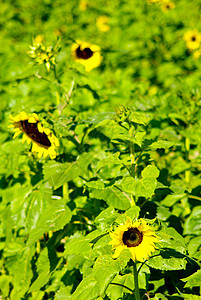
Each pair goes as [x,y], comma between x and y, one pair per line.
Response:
[128,122]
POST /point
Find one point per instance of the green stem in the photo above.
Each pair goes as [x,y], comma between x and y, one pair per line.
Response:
[132,154]
[187,146]
[135,274]
[65,191]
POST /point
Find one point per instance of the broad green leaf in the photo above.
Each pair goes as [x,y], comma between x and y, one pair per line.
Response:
[113,197]
[104,270]
[117,291]
[150,172]
[57,174]
[193,280]
[43,268]
[95,184]
[167,264]
[54,217]
[88,289]
[77,245]
[5,285]
[193,222]
[19,266]
[170,200]
[109,160]
[97,119]
[139,118]
[194,245]
[170,238]
[106,217]
[161,145]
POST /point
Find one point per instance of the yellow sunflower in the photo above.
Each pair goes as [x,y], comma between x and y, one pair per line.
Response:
[102,23]
[138,237]
[44,142]
[167,5]
[86,54]
[193,39]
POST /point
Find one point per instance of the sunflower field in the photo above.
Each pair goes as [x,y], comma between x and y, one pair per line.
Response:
[100,157]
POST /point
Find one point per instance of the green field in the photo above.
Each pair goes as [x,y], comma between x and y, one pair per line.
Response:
[100,157]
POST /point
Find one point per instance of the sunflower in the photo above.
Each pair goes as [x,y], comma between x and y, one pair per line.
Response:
[193,39]
[102,23]
[86,54]
[43,140]
[167,5]
[138,237]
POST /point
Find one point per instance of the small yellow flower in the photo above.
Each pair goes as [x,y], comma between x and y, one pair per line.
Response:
[38,40]
[102,23]
[193,39]
[44,142]
[83,4]
[167,5]
[197,53]
[138,237]
[86,54]
[152,1]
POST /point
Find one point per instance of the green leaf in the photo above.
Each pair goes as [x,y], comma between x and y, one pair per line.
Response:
[170,200]
[77,245]
[109,160]
[113,197]
[170,238]
[167,264]
[150,172]
[194,245]
[143,187]
[139,117]
[54,217]
[104,271]
[56,174]
[159,296]
[95,184]
[117,291]
[97,119]
[193,280]
[88,289]
[106,217]
[43,268]
[19,266]
[193,222]
[161,145]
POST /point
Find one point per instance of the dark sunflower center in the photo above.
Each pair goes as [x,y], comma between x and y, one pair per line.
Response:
[132,237]
[84,54]
[31,129]
[193,38]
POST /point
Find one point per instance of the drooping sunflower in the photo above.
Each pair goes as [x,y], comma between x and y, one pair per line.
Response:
[44,142]
[193,39]
[138,237]
[86,54]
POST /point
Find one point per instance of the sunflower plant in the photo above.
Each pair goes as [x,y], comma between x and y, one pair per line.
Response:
[100,150]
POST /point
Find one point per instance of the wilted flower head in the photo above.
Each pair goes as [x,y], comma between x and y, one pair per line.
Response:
[122,113]
[138,237]
[86,54]
[43,54]
[102,23]
[44,142]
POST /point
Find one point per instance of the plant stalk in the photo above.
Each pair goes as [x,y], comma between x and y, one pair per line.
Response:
[135,274]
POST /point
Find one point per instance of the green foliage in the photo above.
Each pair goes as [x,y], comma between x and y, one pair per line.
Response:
[130,146]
